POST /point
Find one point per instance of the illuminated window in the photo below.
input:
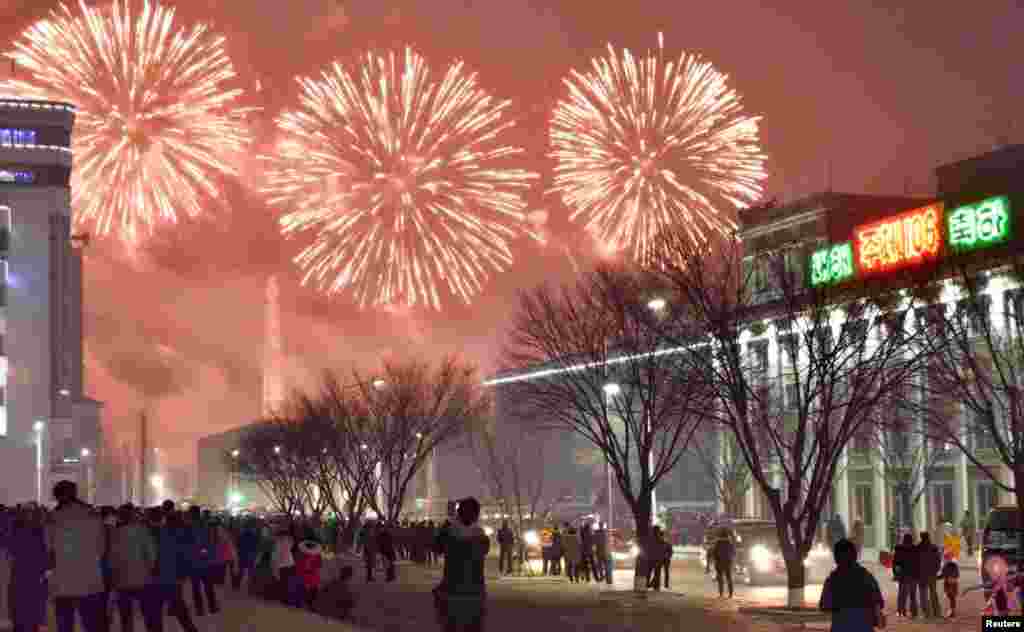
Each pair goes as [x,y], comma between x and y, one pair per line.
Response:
[980,225]
[17,136]
[17,176]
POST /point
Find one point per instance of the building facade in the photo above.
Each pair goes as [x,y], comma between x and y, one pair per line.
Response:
[49,429]
[833,236]
[828,238]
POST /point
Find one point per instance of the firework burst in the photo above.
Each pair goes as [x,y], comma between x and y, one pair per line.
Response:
[400,175]
[641,144]
[156,127]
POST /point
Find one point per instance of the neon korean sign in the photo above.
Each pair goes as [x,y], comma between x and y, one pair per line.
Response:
[832,264]
[980,225]
[906,239]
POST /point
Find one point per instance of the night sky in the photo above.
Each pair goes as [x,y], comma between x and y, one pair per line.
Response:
[881,94]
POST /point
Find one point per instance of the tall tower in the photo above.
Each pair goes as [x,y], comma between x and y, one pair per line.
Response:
[273,356]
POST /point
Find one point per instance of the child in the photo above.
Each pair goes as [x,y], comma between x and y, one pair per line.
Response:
[951,582]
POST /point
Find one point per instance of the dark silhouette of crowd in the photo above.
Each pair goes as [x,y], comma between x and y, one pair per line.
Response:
[97,563]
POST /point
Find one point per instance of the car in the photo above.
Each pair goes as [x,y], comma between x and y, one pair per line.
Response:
[1001,537]
[759,558]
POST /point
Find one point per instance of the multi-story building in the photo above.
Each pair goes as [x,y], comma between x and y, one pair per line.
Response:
[49,429]
[846,232]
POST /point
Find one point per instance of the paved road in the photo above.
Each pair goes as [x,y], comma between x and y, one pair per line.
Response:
[688,578]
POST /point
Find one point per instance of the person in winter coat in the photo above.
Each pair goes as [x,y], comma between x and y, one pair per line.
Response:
[506,540]
[202,561]
[851,593]
[171,568]
[132,561]
[386,548]
[282,561]
[308,563]
[836,530]
[369,545]
[951,584]
[227,552]
[724,553]
[571,549]
[929,561]
[587,553]
[661,559]
[248,550]
[602,563]
[461,596]
[76,541]
[26,545]
[904,569]
[557,552]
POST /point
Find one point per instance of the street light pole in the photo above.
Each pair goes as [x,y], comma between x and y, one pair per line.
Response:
[38,427]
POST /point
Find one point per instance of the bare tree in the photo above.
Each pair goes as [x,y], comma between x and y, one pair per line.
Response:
[274,455]
[791,425]
[600,375]
[416,407]
[512,461]
[723,462]
[977,367]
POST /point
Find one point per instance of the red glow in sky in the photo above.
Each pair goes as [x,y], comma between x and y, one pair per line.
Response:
[874,96]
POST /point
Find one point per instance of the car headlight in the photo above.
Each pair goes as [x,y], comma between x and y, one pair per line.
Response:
[761,557]
[531,538]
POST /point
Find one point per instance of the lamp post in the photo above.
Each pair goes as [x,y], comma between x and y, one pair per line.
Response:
[612,390]
[39,427]
[87,464]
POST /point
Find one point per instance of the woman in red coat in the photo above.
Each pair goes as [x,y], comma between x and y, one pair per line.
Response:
[308,562]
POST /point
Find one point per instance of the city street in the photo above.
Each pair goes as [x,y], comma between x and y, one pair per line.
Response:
[687,577]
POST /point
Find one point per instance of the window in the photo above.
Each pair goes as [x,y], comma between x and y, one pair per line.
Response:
[985,499]
[1014,310]
[942,502]
[789,349]
[759,358]
[791,393]
[863,505]
[17,136]
[972,316]
[981,430]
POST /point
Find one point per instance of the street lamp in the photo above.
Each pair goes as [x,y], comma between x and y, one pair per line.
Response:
[157,481]
[87,464]
[611,389]
[234,454]
[657,304]
[277,449]
[38,427]
[379,384]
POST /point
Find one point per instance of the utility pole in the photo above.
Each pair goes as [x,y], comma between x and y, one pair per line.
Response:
[143,456]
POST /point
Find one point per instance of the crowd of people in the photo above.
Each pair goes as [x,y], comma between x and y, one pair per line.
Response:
[95,563]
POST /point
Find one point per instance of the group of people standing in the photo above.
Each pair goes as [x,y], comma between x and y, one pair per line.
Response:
[88,560]
[918,567]
[584,552]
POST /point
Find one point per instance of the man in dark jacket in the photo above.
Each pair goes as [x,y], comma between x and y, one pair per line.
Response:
[904,570]
[201,560]
[386,547]
[724,553]
[170,572]
[369,544]
[248,551]
[460,597]
[505,543]
[929,562]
